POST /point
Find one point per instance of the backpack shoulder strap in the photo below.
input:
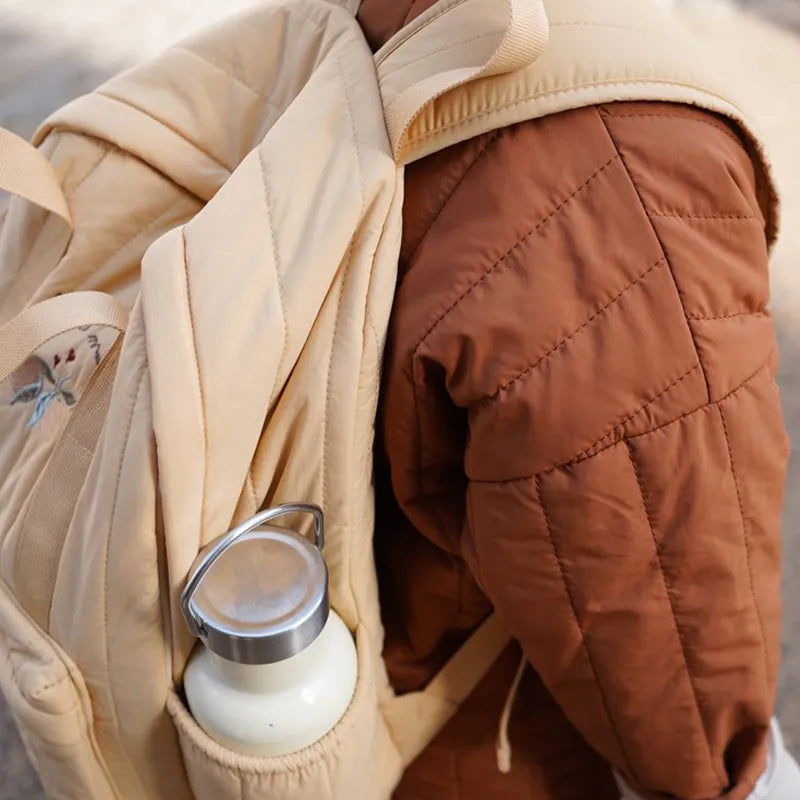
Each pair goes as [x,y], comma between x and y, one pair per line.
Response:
[415,718]
[454,43]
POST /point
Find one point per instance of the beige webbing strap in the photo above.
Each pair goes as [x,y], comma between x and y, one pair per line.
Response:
[46,520]
[34,327]
[414,719]
[453,43]
[24,171]
[49,512]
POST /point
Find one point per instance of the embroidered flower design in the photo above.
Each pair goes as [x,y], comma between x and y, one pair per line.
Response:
[41,387]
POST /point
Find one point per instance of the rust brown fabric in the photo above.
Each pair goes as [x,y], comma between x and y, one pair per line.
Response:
[580,427]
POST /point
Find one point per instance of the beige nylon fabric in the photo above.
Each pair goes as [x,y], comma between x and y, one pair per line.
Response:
[255,251]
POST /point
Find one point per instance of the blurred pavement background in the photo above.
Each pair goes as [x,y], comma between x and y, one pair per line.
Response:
[53,51]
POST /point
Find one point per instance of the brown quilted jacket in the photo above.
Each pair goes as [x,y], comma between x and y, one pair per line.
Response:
[580,427]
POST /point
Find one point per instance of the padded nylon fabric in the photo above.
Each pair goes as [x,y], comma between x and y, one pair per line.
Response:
[581,428]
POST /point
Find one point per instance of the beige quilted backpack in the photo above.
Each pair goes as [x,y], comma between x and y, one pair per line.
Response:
[195,286]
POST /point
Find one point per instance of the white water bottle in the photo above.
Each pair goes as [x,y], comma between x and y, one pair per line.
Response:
[276,668]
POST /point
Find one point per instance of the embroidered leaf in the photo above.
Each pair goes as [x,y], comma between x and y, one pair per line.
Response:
[71,355]
[44,369]
[28,393]
[56,360]
[60,391]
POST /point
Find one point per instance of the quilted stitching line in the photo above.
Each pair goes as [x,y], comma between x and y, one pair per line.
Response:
[747,541]
[703,409]
[584,643]
[492,137]
[52,684]
[603,120]
[671,599]
[700,410]
[700,121]
[421,489]
[622,423]
[525,373]
[113,148]
[539,225]
[276,265]
[187,307]
[732,315]
[281,301]
[688,216]
[237,79]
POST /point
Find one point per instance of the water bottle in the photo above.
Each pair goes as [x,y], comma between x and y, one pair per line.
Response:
[275,667]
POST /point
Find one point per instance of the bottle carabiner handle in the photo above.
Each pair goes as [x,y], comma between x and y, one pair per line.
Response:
[220,545]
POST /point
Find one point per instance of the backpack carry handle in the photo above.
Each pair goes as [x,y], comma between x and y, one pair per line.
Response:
[26,172]
[38,324]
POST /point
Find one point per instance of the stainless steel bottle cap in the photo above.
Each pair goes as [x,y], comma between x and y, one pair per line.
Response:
[259,594]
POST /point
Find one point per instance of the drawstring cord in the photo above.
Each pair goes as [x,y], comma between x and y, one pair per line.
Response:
[503,746]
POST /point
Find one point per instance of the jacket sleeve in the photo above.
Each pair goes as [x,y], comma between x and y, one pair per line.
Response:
[626,454]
